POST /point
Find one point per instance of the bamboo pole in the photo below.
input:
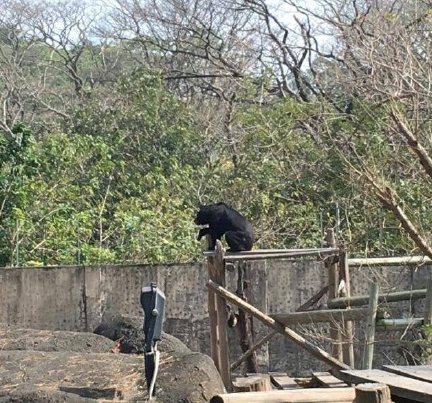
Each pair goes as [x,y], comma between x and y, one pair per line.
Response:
[281,255]
[390,261]
[289,333]
[333,282]
[428,304]
[275,251]
[245,322]
[325,315]
[309,395]
[370,327]
[348,326]
[389,297]
[397,324]
[218,317]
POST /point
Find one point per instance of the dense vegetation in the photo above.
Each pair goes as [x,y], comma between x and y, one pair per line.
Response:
[116,122]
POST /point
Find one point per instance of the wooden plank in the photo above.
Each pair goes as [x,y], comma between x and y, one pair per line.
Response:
[328,380]
[389,261]
[344,302]
[283,381]
[401,386]
[311,395]
[324,315]
[420,372]
[317,352]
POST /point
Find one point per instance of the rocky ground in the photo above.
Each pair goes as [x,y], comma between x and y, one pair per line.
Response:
[41,366]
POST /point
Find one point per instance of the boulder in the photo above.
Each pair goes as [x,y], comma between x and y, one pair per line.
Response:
[46,366]
[128,332]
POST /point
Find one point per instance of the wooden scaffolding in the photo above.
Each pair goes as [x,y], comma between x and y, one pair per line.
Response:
[343,308]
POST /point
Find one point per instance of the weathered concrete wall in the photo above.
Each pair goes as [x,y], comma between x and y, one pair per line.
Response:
[76,298]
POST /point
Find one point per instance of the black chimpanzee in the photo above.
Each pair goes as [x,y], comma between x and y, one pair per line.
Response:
[223,219]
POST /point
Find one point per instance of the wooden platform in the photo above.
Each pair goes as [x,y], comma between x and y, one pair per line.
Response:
[321,387]
[409,382]
[413,383]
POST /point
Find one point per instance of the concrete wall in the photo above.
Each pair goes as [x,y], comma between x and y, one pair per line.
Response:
[76,298]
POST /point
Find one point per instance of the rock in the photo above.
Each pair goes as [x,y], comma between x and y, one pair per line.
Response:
[12,338]
[128,332]
[71,376]
[188,378]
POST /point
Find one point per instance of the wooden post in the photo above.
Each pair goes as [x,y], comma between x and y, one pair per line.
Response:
[428,304]
[372,393]
[333,282]
[370,327]
[347,327]
[245,320]
[285,331]
[218,317]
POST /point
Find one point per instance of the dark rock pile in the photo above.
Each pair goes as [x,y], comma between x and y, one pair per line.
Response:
[42,366]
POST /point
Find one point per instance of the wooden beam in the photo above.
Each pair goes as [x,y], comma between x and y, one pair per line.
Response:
[285,331]
[390,261]
[370,327]
[344,302]
[324,315]
[310,395]
[313,300]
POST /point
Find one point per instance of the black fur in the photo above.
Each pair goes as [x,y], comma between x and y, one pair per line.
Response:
[223,219]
